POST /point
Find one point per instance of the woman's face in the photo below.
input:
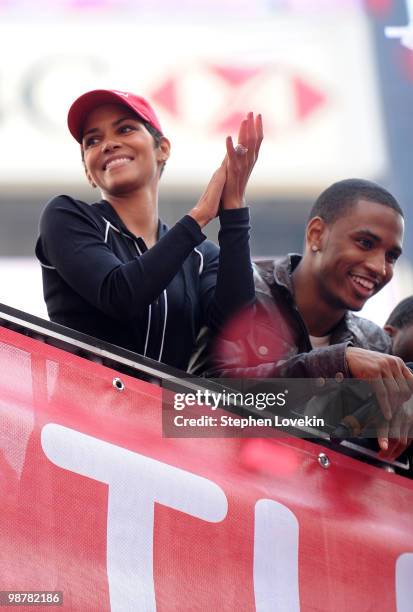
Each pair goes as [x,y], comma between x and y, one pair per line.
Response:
[120,154]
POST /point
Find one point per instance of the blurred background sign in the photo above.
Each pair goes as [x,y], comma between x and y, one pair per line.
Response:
[335,93]
[304,75]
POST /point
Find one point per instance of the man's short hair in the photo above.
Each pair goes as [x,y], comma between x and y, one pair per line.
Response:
[340,197]
[402,315]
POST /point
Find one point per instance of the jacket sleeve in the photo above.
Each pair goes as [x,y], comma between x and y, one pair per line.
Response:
[262,346]
[324,363]
[227,282]
[72,241]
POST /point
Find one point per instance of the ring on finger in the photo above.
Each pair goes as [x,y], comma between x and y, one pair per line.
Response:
[240,149]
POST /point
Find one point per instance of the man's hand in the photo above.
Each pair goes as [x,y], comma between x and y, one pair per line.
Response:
[395,436]
[390,378]
[241,160]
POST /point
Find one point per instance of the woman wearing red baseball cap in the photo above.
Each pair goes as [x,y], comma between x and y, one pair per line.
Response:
[112,269]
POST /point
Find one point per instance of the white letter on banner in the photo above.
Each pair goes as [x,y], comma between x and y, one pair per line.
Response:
[405,33]
[275,558]
[404,582]
[135,483]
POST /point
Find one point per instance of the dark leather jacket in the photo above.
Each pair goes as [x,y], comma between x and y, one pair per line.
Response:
[272,340]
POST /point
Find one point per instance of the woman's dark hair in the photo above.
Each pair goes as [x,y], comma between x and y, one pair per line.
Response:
[157,136]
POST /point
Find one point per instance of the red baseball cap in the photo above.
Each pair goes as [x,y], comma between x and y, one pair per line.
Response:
[92,99]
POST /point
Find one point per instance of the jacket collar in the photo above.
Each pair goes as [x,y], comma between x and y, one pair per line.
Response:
[346,328]
[283,269]
[112,216]
[270,272]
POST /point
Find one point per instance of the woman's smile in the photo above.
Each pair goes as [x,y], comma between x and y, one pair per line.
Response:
[116,161]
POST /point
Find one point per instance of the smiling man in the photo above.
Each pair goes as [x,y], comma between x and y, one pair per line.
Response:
[303,325]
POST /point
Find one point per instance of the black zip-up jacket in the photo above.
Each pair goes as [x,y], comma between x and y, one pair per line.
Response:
[100,279]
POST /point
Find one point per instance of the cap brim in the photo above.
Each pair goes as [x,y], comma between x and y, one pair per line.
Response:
[81,108]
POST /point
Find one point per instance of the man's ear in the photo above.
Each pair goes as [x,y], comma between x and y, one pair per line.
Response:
[390,330]
[163,150]
[315,231]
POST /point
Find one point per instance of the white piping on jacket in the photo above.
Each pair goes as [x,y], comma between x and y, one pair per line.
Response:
[147,330]
[201,264]
[109,225]
[164,323]
[149,311]
[107,230]
[150,318]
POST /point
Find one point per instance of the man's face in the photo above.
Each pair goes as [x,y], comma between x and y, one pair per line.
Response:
[357,254]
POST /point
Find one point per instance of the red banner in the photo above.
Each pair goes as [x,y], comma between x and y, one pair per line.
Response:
[95,503]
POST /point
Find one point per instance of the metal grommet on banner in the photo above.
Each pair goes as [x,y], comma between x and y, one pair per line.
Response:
[118,384]
[323,460]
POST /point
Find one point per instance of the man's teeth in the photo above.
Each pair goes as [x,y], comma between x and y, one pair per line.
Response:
[117,162]
[363,282]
